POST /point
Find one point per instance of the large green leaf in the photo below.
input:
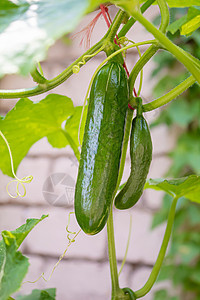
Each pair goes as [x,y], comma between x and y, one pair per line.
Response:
[13,265]
[20,234]
[186,24]
[28,122]
[13,268]
[192,25]
[72,124]
[188,187]
[176,25]
[48,294]
[28,28]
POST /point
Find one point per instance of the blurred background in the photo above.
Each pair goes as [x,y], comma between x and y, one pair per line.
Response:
[84,271]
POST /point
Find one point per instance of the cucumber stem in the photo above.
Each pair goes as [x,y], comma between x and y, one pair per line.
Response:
[50,84]
[37,77]
[154,274]
[140,64]
[110,228]
[132,21]
[112,255]
[179,89]
[185,58]
[139,106]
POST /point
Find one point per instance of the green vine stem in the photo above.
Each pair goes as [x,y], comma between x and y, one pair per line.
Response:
[132,21]
[164,18]
[153,276]
[49,84]
[110,228]
[130,293]
[185,58]
[40,69]
[183,86]
[152,50]
[140,64]
[115,25]
[37,77]
[164,11]
[116,291]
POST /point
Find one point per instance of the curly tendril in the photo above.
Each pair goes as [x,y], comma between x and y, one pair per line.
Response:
[76,68]
[71,240]
[20,182]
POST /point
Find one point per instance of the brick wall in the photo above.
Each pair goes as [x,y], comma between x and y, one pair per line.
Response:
[84,271]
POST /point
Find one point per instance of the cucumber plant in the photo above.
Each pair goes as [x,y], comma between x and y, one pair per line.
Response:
[109,122]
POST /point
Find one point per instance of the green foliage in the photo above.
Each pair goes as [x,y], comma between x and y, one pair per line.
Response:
[37,120]
[13,265]
[188,187]
[182,263]
[29,28]
[186,24]
[48,294]
[72,124]
[193,22]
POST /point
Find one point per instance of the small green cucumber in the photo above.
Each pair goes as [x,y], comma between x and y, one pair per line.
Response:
[141,156]
[101,148]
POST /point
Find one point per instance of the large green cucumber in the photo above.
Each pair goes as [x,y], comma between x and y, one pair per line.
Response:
[101,148]
[141,156]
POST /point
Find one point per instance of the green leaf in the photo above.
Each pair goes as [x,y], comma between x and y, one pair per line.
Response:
[176,25]
[29,28]
[187,186]
[183,3]
[128,5]
[186,24]
[13,265]
[190,26]
[48,294]
[28,122]
[20,234]
[72,124]
[94,4]
[13,268]
[57,140]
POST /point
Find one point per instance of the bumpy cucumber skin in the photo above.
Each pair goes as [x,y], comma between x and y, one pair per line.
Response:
[141,156]
[101,148]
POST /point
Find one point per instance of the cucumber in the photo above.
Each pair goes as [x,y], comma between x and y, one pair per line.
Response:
[101,148]
[141,156]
